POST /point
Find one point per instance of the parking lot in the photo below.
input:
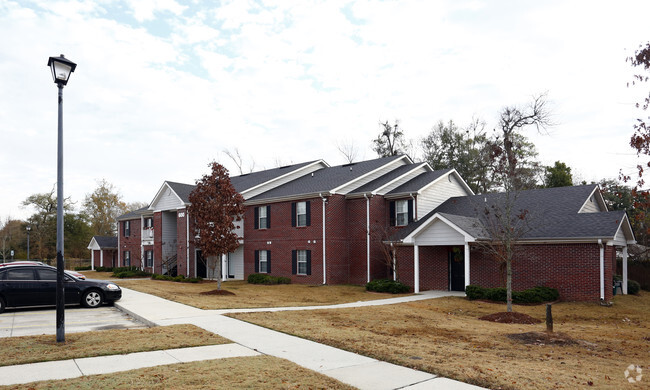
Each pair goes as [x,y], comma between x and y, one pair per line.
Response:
[27,322]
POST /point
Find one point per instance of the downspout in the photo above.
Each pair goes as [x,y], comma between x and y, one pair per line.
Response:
[119,249]
[187,243]
[324,246]
[415,207]
[602,270]
[367,238]
[141,244]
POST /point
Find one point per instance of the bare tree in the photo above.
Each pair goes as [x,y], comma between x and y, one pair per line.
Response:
[237,159]
[349,150]
[390,142]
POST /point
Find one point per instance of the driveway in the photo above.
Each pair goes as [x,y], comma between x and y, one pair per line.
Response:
[29,322]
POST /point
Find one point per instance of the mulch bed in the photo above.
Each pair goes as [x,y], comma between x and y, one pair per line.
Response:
[543,338]
[217,292]
[510,318]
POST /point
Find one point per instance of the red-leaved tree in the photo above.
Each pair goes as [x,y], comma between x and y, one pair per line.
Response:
[215,207]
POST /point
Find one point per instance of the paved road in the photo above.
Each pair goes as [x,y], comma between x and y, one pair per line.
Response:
[28,322]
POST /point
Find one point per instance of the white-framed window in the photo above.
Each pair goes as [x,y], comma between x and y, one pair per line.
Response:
[148,258]
[148,223]
[401,212]
[301,214]
[127,258]
[302,262]
[263,218]
[127,228]
[264,262]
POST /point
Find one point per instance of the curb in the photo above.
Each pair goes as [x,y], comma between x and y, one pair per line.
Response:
[145,321]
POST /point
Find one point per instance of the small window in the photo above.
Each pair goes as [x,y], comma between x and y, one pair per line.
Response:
[401,212]
[301,213]
[127,228]
[302,262]
[263,262]
[148,223]
[262,218]
[127,258]
[148,258]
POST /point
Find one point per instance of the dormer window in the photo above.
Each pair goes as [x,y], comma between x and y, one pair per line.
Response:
[401,213]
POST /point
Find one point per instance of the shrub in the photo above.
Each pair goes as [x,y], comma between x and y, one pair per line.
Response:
[267,279]
[84,268]
[498,294]
[474,292]
[633,286]
[104,269]
[129,272]
[387,285]
[179,278]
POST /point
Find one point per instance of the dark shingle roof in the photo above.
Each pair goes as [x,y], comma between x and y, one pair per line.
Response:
[132,214]
[552,213]
[182,190]
[326,179]
[250,180]
[381,181]
[106,242]
[419,181]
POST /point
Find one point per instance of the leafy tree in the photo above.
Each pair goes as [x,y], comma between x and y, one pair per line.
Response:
[77,234]
[448,146]
[559,175]
[102,207]
[390,142]
[43,222]
[11,234]
[215,206]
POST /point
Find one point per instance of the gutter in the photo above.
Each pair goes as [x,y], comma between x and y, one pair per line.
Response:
[367,237]
[324,246]
[602,270]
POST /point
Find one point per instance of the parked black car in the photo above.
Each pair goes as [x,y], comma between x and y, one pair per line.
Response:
[35,285]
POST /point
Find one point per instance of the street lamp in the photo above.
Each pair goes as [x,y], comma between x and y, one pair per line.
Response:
[61,69]
[29,229]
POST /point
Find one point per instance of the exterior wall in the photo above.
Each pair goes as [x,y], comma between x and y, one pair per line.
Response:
[281,238]
[157,243]
[181,248]
[591,206]
[168,200]
[110,258]
[130,243]
[436,194]
[355,233]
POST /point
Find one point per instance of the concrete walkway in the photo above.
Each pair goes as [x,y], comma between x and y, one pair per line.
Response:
[354,369]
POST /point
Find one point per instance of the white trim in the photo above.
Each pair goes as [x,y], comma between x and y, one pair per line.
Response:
[335,190]
[321,161]
[160,193]
[101,258]
[467,279]
[324,247]
[367,238]
[92,259]
[299,197]
[625,269]
[416,269]
[410,239]
[187,244]
[460,179]
[599,198]
[417,166]
[602,270]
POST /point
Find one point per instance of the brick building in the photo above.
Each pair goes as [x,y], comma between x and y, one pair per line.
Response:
[352,223]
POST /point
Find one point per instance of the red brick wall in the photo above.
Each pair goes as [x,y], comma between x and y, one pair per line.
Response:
[181,248]
[571,268]
[130,243]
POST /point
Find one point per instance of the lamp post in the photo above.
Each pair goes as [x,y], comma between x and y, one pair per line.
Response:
[29,229]
[61,69]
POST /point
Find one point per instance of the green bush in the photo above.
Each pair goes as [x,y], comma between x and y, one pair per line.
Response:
[84,268]
[474,292]
[179,278]
[104,269]
[267,279]
[532,295]
[129,272]
[387,285]
[633,286]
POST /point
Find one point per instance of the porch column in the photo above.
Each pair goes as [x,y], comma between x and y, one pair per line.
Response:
[416,269]
[602,270]
[92,259]
[394,265]
[466,264]
[101,257]
[625,269]
[224,266]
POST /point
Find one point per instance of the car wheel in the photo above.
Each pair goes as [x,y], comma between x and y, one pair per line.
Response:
[2,305]
[92,298]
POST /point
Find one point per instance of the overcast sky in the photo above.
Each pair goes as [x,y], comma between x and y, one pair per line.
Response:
[162,87]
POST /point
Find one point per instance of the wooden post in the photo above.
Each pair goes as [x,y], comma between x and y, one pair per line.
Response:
[549,318]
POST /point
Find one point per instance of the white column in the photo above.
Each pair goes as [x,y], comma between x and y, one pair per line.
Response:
[602,270]
[324,243]
[394,265]
[92,259]
[625,269]
[367,238]
[416,269]
[224,267]
[101,257]
[466,264]
[187,243]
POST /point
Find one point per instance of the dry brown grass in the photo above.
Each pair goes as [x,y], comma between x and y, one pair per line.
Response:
[247,295]
[30,349]
[260,372]
[444,336]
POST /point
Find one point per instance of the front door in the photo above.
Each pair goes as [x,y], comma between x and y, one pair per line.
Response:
[456,269]
[201,270]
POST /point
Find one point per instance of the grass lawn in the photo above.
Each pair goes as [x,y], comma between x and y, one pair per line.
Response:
[31,349]
[246,295]
[260,372]
[592,344]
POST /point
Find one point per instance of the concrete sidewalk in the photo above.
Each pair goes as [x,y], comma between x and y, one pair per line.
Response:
[351,368]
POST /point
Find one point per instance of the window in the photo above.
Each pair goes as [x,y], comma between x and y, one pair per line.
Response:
[46,274]
[148,223]
[148,257]
[127,258]
[127,228]
[263,217]
[20,274]
[301,262]
[300,214]
[263,261]
[401,212]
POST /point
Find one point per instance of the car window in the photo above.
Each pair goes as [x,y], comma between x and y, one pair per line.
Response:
[20,274]
[46,274]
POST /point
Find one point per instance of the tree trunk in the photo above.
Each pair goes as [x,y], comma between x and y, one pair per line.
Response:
[218,260]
